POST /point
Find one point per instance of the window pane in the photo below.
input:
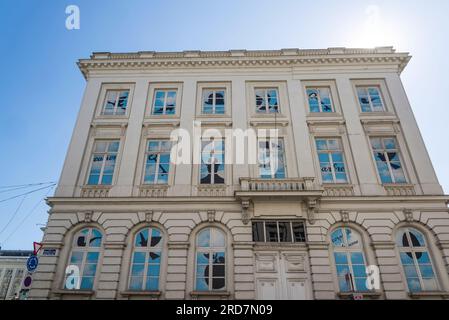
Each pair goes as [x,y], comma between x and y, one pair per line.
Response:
[139,257]
[218,283]
[258,234]
[142,238]
[92,257]
[218,239]
[152,283]
[271,231]
[76,258]
[353,238]
[299,232]
[155,237]
[202,258]
[204,238]
[285,234]
[153,270]
[136,283]
[96,237]
[87,283]
[137,270]
[340,258]
[202,284]
[337,238]
[357,258]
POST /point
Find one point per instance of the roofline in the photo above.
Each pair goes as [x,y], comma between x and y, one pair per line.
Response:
[282,57]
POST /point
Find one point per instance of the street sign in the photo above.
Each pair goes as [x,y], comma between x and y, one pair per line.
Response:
[36,246]
[27,282]
[32,263]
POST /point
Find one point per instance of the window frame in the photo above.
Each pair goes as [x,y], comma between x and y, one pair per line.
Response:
[102,96]
[104,154]
[211,250]
[289,221]
[329,152]
[412,249]
[331,98]
[347,251]
[223,152]
[214,92]
[158,153]
[366,88]
[117,98]
[284,156]
[147,250]
[164,107]
[267,105]
[384,152]
[85,251]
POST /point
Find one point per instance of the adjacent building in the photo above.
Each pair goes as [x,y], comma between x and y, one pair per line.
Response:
[343,204]
[12,272]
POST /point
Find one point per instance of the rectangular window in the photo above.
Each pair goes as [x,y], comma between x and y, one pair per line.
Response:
[103,162]
[332,163]
[271,158]
[267,100]
[116,102]
[320,99]
[212,162]
[157,163]
[278,231]
[388,160]
[370,99]
[164,102]
[213,101]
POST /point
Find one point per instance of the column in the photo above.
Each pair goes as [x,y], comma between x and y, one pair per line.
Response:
[359,146]
[418,152]
[74,157]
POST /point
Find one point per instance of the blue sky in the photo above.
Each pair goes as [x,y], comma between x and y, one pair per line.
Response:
[42,87]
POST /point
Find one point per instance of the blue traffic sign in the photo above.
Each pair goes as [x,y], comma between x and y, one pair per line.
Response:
[32,263]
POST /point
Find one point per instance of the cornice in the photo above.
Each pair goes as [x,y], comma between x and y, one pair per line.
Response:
[244,58]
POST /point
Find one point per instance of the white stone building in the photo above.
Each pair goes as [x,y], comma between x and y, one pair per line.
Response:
[354,185]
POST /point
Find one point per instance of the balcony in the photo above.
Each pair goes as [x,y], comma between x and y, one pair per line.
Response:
[289,187]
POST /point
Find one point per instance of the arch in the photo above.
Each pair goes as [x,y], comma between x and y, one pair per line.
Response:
[84,244]
[144,259]
[211,258]
[416,257]
[350,255]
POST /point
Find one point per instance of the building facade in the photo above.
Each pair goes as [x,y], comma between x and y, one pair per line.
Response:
[343,204]
[12,272]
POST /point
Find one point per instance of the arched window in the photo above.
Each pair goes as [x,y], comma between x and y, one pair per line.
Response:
[146,260]
[84,255]
[416,260]
[349,260]
[210,260]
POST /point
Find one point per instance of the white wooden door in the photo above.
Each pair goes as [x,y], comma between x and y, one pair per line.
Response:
[281,275]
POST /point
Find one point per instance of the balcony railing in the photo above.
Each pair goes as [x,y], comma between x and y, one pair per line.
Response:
[280,187]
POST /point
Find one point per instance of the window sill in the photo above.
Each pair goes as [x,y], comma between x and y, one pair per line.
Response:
[430,294]
[370,294]
[210,294]
[141,293]
[74,292]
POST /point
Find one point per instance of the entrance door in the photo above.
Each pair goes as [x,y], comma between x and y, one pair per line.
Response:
[281,275]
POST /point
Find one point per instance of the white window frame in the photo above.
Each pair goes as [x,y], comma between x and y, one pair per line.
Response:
[318,88]
[114,113]
[273,174]
[390,170]
[414,250]
[212,182]
[267,105]
[164,108]
[158,153]
[331,161]
[214,99]
[85,251]
[211,250]
[366,88]
[147,250]
[348,250]
[104,154]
